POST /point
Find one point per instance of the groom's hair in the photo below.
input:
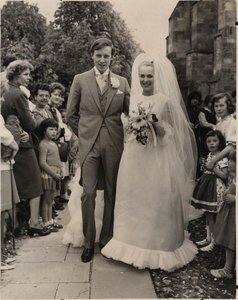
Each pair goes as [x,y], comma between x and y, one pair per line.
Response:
[101,43]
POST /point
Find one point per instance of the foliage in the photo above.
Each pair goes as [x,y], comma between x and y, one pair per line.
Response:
[23,29]
[67,55]
[82,22]
[61,49]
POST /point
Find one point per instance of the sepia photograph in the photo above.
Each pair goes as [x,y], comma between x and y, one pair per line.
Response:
[118,149]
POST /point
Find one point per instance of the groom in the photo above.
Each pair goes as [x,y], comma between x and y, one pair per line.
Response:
[96,100]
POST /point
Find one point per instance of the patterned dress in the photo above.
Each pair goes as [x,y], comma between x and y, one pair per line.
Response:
[209,190]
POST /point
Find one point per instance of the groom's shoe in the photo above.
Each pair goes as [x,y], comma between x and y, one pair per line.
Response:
[87,254]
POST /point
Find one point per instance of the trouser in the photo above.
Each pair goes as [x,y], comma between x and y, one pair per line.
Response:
[103,154]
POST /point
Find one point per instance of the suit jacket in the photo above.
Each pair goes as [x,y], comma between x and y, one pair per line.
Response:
[84,113]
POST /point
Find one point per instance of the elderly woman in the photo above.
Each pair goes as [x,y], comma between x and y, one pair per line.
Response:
[26,168]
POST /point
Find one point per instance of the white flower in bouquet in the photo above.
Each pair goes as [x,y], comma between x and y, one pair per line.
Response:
[141,125]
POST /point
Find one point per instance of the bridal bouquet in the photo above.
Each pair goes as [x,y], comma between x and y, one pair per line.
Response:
[141,125]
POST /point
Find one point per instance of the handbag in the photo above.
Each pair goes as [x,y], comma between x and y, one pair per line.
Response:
[63,150]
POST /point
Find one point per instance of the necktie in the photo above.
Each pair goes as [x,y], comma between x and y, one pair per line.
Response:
[102,81]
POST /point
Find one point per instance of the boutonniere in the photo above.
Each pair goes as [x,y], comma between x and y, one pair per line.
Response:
[115,82]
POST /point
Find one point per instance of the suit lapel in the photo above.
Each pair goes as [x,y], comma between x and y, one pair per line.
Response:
[92,85]
[111,92]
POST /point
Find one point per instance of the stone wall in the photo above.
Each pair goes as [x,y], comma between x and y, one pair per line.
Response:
[202,45]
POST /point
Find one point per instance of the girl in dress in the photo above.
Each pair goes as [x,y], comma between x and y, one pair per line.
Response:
[155,179]
[224,107]
[50,164]
[224,232]
[209,190]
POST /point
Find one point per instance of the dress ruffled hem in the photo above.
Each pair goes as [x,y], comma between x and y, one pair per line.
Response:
[73,237]
[153,259]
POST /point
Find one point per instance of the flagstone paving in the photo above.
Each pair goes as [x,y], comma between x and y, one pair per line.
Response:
[47,269]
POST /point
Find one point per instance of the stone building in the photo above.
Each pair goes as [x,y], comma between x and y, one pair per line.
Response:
[202,45]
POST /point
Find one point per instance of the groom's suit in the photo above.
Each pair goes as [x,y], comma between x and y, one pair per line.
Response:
[95,117]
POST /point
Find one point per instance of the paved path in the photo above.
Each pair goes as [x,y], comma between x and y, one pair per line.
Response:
[47,269]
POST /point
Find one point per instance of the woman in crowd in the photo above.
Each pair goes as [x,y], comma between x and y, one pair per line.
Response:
[41,93]
[26,168]
[224,107]
[56,94]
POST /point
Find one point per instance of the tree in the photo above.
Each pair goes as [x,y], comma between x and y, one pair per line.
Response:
[23,35]
[80,23]
[67,55]
[23,29]
[61,49]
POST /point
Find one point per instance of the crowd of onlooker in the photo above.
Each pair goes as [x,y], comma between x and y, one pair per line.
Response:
[214,125]
[203,118]
[39,156]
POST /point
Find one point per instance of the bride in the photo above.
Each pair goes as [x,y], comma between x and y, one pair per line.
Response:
[155,179]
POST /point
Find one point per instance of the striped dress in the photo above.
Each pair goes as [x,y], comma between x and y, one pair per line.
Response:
[50,164]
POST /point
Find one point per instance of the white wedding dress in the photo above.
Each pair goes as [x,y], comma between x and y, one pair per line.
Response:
[151,201]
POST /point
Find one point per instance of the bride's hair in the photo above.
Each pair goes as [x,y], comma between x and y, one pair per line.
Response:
[146,64]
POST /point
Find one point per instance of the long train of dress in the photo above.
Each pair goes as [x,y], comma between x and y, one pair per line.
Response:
[74,234]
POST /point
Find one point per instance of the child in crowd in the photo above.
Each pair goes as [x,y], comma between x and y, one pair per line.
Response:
[51,171]
[209,190]
[225,227]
